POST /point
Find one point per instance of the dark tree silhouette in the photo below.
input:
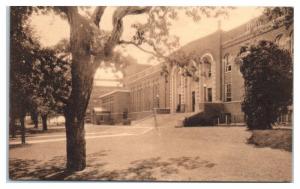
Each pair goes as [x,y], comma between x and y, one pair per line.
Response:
[37,75]
[271,13]
[268,80]
[21,56]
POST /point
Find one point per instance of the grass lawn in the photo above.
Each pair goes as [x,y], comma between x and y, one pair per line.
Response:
[275,138]
[164,154]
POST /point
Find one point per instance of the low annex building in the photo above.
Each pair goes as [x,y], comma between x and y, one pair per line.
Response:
[113,108]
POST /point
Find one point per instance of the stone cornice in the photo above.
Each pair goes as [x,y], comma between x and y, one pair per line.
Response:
[255,31]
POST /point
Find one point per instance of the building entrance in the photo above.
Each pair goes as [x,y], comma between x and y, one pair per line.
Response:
[193,101]
[209,94]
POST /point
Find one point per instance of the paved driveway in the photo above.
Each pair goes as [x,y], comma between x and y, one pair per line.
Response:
[164,153]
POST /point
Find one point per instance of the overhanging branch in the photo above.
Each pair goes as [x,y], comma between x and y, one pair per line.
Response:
[117,31]
[97,15]
[156,54]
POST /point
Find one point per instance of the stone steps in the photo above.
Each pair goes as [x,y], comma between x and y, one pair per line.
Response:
[163,120]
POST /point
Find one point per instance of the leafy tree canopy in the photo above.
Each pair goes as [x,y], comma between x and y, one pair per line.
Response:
[40,77]
[268,80]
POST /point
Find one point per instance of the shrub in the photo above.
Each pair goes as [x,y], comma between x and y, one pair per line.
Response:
[267,73]
[206,118]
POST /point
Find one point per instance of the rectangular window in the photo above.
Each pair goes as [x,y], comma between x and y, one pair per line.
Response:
[228,67]
[228,92]
[227,63]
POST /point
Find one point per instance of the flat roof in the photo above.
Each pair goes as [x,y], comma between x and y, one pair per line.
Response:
[115,91]
[100,109]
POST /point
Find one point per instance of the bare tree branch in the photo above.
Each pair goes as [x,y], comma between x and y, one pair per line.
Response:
[155,53]
[117,31]
[139,47]
[97,15]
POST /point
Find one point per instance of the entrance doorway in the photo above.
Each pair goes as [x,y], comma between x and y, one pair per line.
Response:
[209,94]
[193,101]
[178,108]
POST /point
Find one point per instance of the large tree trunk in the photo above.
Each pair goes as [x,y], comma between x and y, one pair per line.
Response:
[82,70]
[44,121]
[76,152]
[74,115]
[23,129]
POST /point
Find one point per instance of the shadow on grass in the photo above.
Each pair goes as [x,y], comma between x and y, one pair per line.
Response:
[30,132]
[11,146]
[150,169]
[53,169]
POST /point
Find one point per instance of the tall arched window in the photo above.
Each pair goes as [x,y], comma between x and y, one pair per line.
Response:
[227,92]
[227,63]
[227,80]
[207,67]
[132,99]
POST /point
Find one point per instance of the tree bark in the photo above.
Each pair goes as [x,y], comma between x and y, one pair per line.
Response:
[82,70]
[23,129]
[12,126]
[76,151]
[35,119]
[44,121]
[74,115]
[82,84]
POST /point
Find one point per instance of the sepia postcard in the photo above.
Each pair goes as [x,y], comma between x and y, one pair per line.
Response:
[150,93]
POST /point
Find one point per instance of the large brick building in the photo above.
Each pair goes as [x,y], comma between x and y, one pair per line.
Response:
[220,80]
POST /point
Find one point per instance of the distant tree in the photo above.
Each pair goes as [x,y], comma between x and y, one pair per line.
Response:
[34,117]
[268,80]
[52,81]
[21,56]
[39,77]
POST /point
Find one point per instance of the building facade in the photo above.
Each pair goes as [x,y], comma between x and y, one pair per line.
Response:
[148,90]
[113,107]
[220,79]
[97,92]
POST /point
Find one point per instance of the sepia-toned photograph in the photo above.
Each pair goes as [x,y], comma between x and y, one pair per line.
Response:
[150,93]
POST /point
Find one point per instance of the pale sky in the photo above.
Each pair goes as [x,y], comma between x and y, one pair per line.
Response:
[51,29]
